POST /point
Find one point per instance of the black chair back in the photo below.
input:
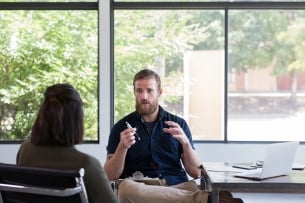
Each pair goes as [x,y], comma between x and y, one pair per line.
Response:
[20,184]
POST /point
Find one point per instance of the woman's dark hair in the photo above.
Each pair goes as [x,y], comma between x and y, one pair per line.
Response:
[60,118]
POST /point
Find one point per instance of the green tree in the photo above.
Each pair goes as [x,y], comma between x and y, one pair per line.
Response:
[291,51]
[258,39]
[153,39]
[40,48]
[252,38]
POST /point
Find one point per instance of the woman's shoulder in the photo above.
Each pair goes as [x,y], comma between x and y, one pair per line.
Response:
[90,160]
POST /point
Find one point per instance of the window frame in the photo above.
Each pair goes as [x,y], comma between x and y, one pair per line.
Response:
[225,6]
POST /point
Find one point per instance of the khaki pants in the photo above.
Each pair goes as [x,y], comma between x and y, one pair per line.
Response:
[131,191]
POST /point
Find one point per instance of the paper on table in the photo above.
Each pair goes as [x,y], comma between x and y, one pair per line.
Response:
[223,168]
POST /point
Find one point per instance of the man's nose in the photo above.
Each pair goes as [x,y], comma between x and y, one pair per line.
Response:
[144,95]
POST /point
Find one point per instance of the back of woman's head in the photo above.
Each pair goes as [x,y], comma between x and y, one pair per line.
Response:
[60,118]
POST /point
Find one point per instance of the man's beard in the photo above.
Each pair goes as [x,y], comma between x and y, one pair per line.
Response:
[147,108]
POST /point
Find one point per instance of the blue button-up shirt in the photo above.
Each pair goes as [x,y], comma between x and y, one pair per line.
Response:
[155,155]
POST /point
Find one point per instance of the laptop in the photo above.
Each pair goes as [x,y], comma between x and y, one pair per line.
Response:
[278,161]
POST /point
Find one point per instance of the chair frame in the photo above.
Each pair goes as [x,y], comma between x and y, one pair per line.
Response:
[22,187]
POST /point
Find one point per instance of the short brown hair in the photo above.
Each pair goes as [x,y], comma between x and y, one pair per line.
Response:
[145,74]
[60,118]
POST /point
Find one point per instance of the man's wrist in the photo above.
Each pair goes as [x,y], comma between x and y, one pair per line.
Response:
[186,143]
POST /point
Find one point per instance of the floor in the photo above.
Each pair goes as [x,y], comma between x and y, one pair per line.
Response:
[271,197]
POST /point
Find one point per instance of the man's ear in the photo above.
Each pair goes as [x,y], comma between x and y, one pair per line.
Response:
[160,91]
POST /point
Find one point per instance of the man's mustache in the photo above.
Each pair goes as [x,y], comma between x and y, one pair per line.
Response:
[144,101]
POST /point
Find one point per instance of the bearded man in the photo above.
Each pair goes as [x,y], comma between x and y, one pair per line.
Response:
[159,144]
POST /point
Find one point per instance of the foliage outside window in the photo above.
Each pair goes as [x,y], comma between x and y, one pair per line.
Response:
[39,48]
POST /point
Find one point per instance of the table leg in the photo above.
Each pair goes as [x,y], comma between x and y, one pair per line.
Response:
[215,195]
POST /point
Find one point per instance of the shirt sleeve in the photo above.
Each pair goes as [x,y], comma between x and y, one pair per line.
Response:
[114,138]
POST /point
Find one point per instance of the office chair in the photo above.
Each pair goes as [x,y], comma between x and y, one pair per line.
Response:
[20,184]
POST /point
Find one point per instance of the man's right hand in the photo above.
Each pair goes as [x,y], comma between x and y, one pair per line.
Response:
[127,137]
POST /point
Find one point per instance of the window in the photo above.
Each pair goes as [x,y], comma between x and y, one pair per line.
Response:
[42,44]
[233,70]
[266,52]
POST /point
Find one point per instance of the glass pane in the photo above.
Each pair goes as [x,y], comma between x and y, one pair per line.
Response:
[159,1]
[40,48]
[48,0]
[266,82]
[186,47]
[205,1]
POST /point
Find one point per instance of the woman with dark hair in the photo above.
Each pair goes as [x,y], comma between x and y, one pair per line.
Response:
[59,126]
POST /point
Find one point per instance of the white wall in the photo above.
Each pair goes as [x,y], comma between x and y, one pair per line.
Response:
[207,151]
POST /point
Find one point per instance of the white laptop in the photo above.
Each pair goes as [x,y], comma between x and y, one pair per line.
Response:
[278,161]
